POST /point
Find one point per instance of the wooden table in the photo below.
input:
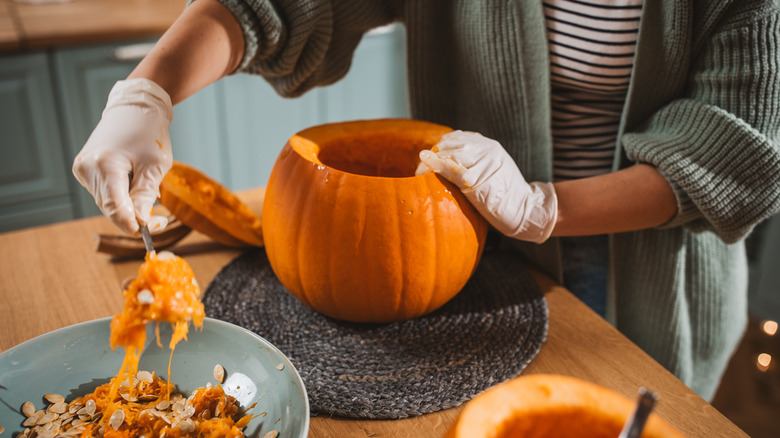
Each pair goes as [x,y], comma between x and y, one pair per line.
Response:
[52,277]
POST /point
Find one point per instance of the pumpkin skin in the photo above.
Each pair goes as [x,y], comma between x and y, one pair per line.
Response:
[207,206]
[546,405]
[351,231]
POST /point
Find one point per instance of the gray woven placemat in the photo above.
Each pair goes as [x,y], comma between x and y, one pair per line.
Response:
[485,335]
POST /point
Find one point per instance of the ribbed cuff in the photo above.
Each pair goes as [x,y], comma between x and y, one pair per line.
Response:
[722,171]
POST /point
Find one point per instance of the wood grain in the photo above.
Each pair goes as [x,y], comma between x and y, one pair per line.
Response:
[81,22]
[52,277]
[10,32]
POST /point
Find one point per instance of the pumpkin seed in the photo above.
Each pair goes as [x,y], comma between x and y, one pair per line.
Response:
[145,376]
[188,412]
[128,397]
[54,398]
[272,434]
[280,367]
[178,406]
[219,373]
[28,409]
[74,406]
[145,296]
[47,418]
[58,408]
[165,255]
[117,418]
[187,426]
[90,407]
[32,420]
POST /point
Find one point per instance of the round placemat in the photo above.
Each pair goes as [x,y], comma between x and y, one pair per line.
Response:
[485,335]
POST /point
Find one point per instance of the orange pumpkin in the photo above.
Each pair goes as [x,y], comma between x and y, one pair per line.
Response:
[205,205]
[544,405]
[353,233]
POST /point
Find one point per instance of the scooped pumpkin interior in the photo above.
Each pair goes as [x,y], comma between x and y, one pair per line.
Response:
[369,148]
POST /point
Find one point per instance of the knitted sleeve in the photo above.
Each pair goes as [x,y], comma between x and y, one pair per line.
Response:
[719,146]
[299,44]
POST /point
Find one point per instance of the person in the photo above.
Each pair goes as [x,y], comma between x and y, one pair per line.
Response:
[692,162]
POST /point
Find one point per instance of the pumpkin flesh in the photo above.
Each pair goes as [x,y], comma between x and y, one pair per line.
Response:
[543,405]
[352,233]
[205,205]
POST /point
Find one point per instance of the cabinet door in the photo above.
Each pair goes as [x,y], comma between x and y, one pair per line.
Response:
[375,86]
[33,178]
[258,123]
[85,76]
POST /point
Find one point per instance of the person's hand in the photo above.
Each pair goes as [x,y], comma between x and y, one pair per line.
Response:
[124,160]
[491,181]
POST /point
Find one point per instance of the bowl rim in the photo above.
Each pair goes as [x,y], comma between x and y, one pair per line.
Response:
[207,320]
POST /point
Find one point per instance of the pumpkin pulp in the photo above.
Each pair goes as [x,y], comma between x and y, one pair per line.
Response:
[164,291]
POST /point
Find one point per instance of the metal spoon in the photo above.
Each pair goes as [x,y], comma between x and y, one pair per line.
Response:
[635,424]
[144,229]
[147,236]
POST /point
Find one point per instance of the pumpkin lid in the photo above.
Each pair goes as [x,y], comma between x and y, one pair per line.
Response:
[207,206]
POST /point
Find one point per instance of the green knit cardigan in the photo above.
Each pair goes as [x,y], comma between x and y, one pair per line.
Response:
[703,107]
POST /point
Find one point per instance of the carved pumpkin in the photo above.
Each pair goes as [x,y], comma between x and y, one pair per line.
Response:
[544,405]
[354,234]
[205,205]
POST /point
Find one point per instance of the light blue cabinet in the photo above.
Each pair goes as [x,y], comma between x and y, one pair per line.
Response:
[232,130]
[33,175]
[259,121]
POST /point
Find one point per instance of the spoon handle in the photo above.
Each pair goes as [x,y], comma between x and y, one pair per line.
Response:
[635,424]
[147,238]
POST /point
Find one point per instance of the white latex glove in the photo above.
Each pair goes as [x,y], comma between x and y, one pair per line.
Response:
[491,181]
[131,139]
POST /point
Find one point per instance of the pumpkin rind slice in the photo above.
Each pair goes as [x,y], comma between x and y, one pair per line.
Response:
[547,405]
[352,233]
[205,205]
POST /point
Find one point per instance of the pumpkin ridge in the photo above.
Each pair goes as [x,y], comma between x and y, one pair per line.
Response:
[433,235]
[302,239]
[344,299]
[400,292]
[279,206]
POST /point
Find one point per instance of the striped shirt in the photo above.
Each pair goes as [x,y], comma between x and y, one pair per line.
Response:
[591,56]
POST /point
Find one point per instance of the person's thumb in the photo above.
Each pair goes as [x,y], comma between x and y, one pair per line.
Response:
[144,190]
[449,169]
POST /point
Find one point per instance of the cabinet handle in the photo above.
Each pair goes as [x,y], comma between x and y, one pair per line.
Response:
[131,52]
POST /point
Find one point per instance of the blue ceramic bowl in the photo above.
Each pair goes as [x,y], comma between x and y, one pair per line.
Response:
[75,360]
